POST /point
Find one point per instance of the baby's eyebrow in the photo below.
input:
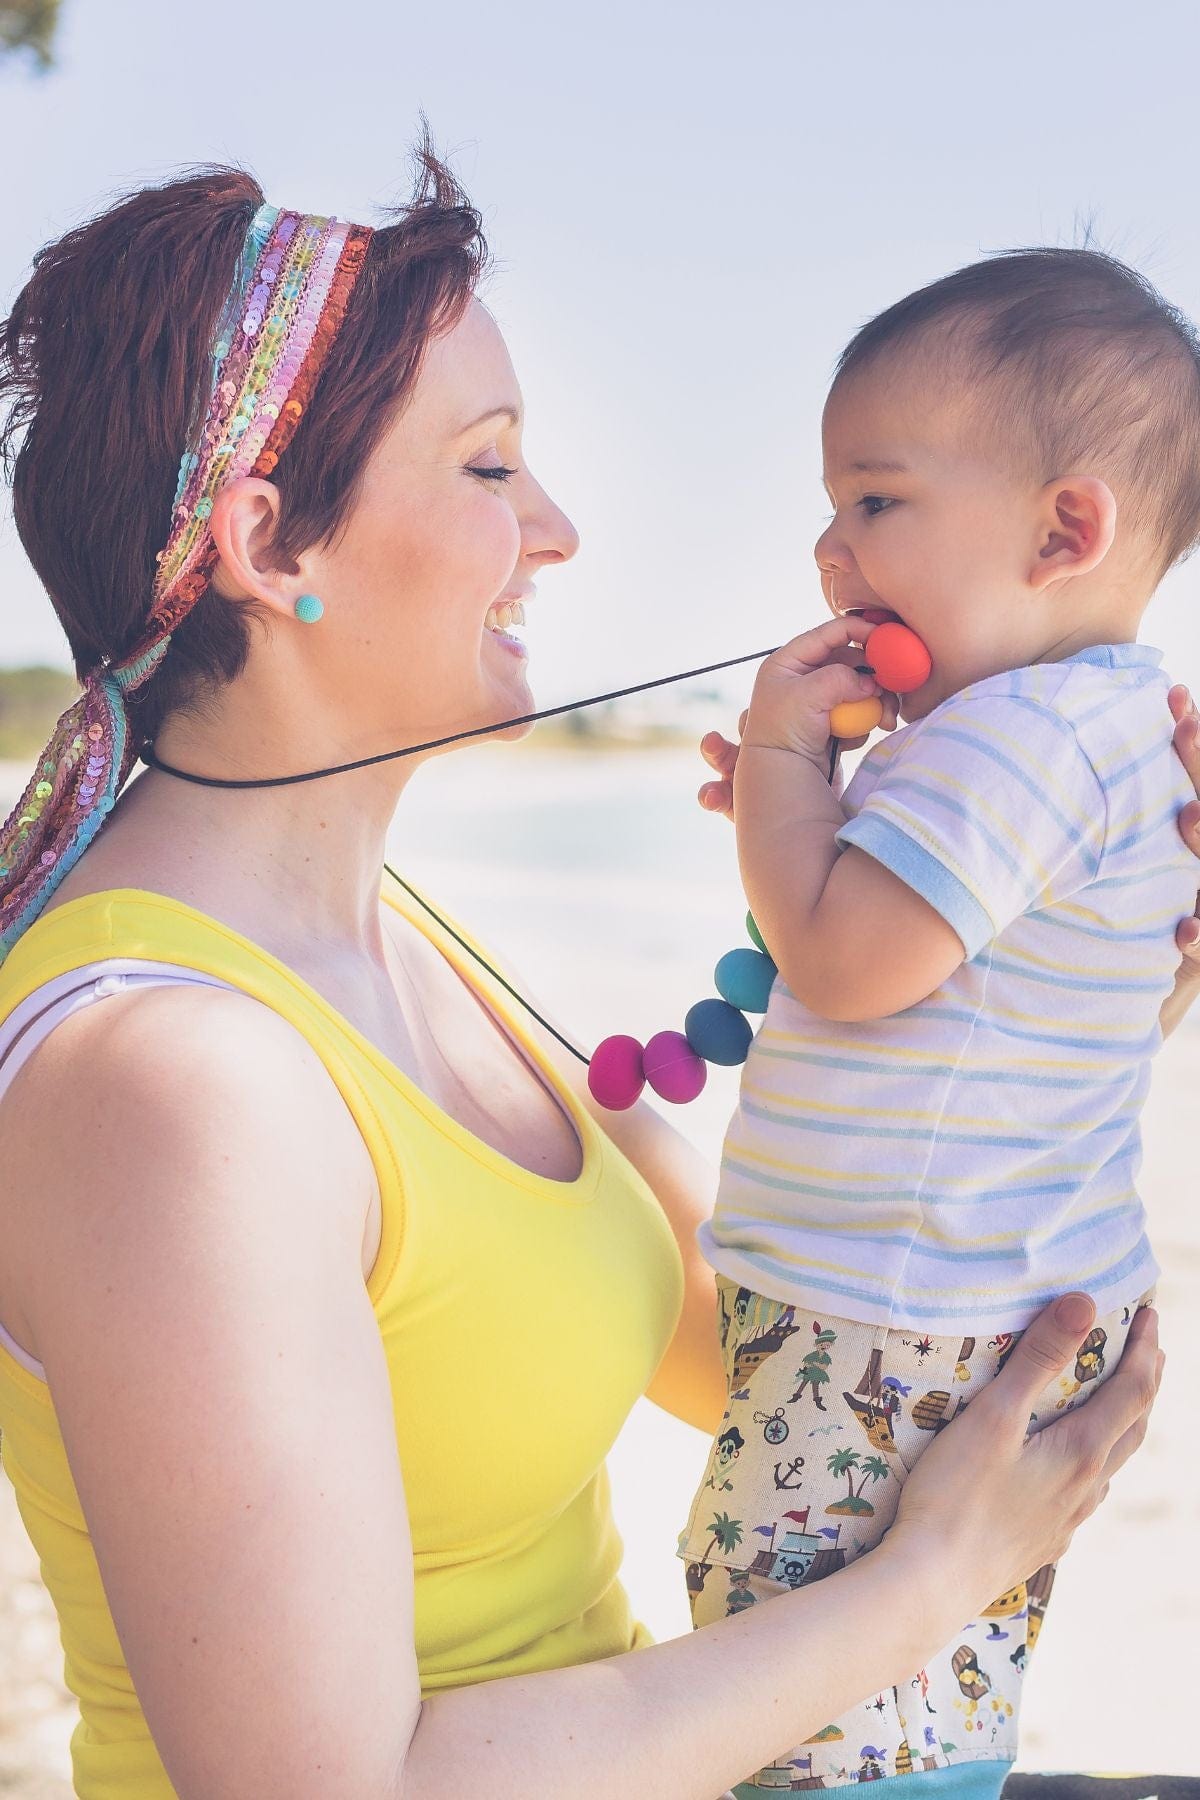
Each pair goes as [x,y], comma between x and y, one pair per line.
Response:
[878,468]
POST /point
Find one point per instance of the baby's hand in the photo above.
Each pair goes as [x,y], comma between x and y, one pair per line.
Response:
[797,688]
[721,754]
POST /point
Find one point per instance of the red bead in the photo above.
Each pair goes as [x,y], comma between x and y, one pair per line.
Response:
[899,658]
[672,1067]
[615,1074]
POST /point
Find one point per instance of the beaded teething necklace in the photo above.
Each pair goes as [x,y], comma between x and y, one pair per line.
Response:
[716,1030]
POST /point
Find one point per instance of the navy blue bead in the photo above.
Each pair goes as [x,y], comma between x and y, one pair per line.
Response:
[718,1032]
[744,978]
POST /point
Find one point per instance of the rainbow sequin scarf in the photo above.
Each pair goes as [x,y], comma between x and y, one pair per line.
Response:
[283,311]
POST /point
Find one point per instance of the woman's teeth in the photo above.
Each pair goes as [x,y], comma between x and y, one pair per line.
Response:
[503,613]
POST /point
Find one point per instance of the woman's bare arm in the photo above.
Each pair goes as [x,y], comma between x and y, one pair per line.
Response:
[191,1244]
[191,1229]
[692,1717]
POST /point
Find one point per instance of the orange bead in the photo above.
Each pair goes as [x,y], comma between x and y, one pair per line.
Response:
[854,718]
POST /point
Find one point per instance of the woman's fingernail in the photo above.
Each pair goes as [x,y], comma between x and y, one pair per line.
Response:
[1074,1312]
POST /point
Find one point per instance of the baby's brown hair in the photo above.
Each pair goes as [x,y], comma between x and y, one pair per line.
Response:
[1076,363]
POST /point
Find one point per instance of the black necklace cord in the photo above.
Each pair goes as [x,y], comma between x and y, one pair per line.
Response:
[485,964]
[364,762]
[153,762]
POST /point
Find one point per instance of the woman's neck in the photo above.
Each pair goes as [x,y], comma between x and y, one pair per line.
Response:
[311,852]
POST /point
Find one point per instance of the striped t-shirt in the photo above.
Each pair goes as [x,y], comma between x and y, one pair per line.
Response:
[963,1161]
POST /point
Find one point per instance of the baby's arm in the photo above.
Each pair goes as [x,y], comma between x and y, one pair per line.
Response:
[850,939]
[988,809]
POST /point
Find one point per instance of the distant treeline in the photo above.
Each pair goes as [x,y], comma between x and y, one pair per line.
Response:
[32,699]
[30,702]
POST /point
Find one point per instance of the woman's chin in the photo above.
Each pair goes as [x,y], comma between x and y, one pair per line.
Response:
[506,680]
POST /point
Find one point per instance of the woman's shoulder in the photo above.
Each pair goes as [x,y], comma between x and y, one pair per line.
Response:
[165,1110]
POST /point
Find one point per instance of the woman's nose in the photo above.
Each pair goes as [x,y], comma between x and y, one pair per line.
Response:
[549,535]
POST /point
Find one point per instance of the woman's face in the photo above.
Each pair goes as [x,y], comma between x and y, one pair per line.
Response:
[450,529]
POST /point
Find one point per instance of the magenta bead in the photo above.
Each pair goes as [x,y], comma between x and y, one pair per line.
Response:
[615,1074]
[672,1067]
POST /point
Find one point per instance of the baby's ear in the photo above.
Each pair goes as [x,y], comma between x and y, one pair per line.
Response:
[1077,519]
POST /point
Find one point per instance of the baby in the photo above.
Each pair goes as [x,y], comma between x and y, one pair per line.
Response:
[937,1129]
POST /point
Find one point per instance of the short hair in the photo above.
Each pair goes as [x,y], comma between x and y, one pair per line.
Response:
[1081,363]
[104,366]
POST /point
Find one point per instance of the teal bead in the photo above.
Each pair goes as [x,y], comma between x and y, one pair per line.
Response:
[309,609]
[756,934]
[718,1032]
[203,507]
[745,978]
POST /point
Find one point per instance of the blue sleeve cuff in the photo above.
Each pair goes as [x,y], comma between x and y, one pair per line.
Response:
[924,874]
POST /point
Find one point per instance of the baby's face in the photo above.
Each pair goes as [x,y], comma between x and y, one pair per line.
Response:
[930,527]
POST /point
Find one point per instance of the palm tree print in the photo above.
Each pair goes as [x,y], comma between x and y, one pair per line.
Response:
[872,1468]
[726,1535]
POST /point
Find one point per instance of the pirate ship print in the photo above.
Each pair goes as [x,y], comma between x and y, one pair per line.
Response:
[794,1774]
[760,1345]
[800,1556]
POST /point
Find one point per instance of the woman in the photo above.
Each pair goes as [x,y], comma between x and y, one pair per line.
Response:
[325,1292]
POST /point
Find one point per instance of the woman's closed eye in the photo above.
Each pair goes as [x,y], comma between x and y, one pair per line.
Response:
[491,471]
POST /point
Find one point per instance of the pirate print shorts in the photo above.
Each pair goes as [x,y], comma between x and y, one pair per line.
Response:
[823,1421]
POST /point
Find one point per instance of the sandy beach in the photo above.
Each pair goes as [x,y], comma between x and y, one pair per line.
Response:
[597,876]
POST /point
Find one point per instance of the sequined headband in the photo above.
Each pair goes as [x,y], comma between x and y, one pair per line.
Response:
[283,311]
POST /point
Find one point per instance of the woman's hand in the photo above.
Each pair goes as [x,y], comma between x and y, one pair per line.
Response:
[985,1507]
[1187,748]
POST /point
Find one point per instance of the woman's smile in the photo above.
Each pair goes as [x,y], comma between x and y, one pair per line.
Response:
[501,615]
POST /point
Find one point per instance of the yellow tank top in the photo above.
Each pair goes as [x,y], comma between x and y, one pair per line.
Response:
[520,1317]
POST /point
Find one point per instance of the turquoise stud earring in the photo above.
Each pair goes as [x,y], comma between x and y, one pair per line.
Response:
[309,609]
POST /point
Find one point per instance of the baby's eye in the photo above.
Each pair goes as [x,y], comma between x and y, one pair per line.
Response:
[874,504]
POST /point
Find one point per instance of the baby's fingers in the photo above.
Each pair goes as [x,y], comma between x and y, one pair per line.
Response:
[813,649]
[717,797]
[719,753]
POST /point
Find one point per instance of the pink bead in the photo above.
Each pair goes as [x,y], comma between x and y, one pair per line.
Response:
[672,1067]
[615,1075]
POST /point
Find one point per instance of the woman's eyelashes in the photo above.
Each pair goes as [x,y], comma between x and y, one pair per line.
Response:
[491,471]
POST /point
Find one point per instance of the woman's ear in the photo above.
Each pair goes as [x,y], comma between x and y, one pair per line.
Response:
[242,524]
[1077,520]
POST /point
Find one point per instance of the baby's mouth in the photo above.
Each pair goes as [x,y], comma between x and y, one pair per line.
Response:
[875,615]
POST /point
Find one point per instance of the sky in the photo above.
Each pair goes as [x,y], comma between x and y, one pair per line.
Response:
[692,207]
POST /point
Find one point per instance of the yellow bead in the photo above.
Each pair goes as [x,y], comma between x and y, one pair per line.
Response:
[854,718]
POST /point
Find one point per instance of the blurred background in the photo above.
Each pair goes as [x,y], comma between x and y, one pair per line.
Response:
[692,208]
